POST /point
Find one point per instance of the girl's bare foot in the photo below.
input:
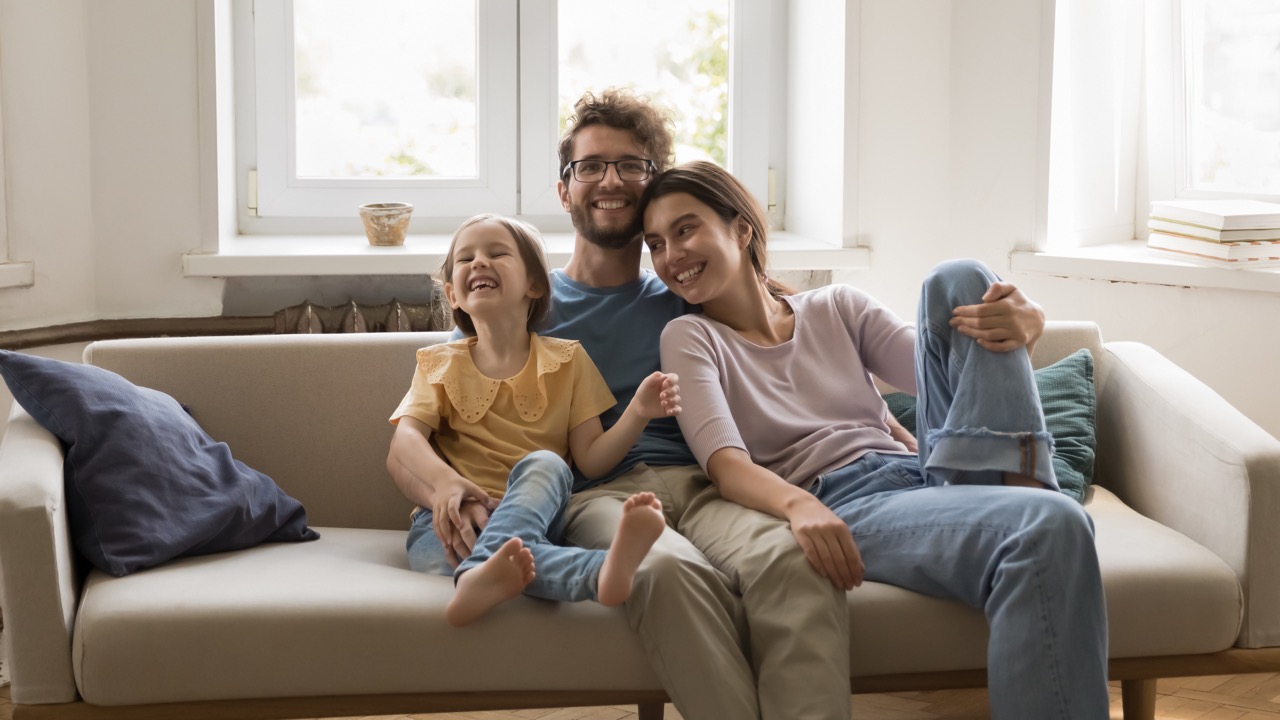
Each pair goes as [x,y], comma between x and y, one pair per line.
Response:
[503,576]
[641,524]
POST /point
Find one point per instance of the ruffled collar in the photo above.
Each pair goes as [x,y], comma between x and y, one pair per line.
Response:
[472,393]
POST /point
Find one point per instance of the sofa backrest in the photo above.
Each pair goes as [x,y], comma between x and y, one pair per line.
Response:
[311,410]
[308,410]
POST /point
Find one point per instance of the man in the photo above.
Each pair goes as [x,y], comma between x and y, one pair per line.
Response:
[766,639]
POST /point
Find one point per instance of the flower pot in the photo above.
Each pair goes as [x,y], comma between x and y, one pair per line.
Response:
[386,223]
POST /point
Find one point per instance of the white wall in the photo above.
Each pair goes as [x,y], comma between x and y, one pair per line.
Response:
[44,78]
[101,148]
[948,167]
[101,143]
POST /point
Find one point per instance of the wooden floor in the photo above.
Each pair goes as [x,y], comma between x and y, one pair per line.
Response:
[1225,697]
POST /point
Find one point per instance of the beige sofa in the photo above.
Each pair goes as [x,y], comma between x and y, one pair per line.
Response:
[1186,499]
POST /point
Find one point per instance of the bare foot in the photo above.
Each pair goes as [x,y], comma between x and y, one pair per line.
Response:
[503,576]
[641,524]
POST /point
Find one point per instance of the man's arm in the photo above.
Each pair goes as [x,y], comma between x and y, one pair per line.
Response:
[460,508]
[1005,320]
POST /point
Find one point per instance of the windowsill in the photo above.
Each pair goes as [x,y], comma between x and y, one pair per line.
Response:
[262,255]
[17,274]
[1133,262]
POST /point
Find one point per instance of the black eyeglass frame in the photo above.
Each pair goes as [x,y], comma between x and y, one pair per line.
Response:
[572,169]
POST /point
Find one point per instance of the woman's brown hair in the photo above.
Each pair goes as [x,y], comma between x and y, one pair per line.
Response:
[716,188]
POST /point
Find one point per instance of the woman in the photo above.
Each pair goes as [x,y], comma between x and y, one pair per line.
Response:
[780,410]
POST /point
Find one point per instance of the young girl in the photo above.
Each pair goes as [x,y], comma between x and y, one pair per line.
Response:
[506,410]
[783,415]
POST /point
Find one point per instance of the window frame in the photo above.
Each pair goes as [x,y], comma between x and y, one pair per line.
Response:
[518,155]
[280,194]
[1167,145]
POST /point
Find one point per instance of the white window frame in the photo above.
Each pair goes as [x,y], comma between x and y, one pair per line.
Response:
[280,193]
[517,59]
[1167,147]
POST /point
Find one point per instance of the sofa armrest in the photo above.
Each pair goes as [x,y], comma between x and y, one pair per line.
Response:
[1178,453]
[38,580]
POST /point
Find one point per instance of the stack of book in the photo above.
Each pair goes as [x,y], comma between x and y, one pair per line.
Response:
[1222,233]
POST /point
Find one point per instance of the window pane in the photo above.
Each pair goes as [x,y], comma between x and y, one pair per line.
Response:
[385,88]
[1232,61]
[676,52]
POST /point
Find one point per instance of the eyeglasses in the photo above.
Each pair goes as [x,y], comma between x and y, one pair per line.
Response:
[592,171]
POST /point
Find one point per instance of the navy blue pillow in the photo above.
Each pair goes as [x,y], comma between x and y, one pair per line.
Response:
[144,483]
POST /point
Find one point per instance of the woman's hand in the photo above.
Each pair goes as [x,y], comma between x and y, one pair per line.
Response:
[1005,320]
[899,432]
[827,542]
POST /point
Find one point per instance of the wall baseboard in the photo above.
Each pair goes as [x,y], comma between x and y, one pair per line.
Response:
[134,328]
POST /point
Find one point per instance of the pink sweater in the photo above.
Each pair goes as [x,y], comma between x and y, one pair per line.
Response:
[802,408]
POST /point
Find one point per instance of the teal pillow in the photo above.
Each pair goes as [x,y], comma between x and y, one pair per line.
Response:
[1066,393]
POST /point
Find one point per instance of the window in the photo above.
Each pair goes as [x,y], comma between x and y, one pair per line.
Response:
[1228,90]
[455,105]
[1155,100]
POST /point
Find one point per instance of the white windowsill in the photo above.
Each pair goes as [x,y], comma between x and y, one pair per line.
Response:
[1133,262]
[262,255]
[19,274]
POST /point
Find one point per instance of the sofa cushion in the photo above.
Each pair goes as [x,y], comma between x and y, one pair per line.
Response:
[144,483]
[342,615]
[345,615]
[1067,396]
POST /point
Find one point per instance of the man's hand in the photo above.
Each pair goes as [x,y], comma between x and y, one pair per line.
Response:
[827,543]
[459,512]
[1005,320]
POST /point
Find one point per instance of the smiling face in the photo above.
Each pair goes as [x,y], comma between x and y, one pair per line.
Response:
[489,276]
[694,251]
[604,212]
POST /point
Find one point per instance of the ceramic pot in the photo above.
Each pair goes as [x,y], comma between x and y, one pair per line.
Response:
[386,223]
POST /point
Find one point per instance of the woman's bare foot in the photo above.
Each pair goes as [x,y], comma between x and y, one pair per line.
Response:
[641,524]
[503,576]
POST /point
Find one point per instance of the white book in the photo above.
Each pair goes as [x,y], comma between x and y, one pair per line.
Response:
[1217,262]
[1256,250]
[1235,214]
[1206,233]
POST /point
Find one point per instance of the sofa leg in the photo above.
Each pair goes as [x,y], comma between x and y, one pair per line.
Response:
[1138,698]
[650,711]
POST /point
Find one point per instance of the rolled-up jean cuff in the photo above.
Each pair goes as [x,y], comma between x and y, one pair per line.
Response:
[981,456]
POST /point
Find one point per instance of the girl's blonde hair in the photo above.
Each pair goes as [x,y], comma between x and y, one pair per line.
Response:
[529,243]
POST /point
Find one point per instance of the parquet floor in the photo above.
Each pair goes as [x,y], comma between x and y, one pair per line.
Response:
[1222,697]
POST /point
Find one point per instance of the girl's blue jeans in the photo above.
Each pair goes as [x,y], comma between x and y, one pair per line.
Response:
[943,525]
[533,510]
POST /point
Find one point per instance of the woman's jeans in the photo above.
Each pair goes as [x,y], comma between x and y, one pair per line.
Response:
[533,510]
[1024,556]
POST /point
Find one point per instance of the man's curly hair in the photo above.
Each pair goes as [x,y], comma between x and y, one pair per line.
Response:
[623,110]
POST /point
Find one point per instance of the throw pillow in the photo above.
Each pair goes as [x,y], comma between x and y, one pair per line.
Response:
[1067,395]
[144,483]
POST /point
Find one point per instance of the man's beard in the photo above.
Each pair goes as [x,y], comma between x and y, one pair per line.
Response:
[602,237]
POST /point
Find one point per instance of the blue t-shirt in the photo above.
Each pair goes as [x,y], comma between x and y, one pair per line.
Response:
[621,327]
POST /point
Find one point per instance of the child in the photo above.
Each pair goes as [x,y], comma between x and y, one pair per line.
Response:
[506,409]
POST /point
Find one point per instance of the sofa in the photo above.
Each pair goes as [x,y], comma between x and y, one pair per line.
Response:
[1185,496]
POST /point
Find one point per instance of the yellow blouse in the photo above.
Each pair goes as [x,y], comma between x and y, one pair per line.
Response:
[482,426]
